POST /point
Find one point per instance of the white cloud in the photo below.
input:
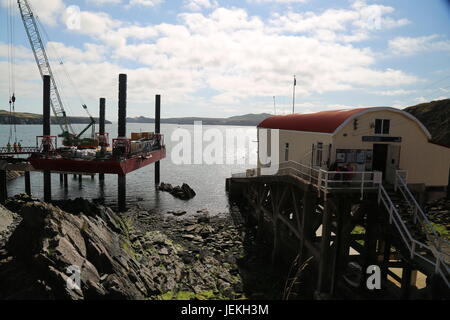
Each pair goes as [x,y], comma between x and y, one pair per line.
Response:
[47,11]
[411,45]
[103,2]
[347,25]
[147,3]
[91,52]
[277,1]
[239,58]
[198,5]
[391,93]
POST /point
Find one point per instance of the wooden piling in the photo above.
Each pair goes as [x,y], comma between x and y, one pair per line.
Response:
[3,187]
[28,183]
[369,253]
[122,132]
[122,182]
[157,131]
[323,283]
[341,245]
[102,119]
[307,232]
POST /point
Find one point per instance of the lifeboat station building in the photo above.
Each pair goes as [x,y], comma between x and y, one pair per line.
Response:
[380,139]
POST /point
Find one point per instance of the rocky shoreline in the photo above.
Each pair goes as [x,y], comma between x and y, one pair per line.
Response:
[136,255]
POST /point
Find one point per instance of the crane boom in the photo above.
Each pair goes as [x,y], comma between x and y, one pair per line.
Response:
[40,55]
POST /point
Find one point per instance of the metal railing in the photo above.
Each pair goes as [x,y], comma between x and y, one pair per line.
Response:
[419,216]
[18,150]
[327,181]
[414,246]
[324,181]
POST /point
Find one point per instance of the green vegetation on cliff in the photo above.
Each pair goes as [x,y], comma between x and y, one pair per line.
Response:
[435,115]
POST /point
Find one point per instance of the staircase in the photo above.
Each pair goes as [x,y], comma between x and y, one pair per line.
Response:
[425,246]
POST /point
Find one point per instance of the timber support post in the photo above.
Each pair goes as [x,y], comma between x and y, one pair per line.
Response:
[274,194]
[307,233]
[341,243]
[370,242]
[323,283]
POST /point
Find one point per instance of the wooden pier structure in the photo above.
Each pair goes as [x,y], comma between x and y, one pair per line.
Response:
[343,227]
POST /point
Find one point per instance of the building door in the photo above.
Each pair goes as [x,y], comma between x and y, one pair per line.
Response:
[393,162]
[380,152]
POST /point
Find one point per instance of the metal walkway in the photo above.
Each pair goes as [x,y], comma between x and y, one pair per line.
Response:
[18,151]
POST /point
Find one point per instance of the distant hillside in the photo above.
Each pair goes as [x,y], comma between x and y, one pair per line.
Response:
[245,120]
[32,118]
[435,115]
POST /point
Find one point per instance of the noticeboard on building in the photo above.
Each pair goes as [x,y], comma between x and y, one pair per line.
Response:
[363,158]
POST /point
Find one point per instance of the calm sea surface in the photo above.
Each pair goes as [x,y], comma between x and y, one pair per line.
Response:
[207,180]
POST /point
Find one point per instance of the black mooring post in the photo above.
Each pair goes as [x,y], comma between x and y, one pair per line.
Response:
[102,127]
[122,184]
[157,131]
[122,106]
[61,178]
[27,183]
[3,188]
[122,133]
[46,132]
[66,184]
[46,106]
[102,115]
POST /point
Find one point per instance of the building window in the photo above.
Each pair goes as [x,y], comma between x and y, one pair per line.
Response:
[382,126]
[286,152]
[319,154]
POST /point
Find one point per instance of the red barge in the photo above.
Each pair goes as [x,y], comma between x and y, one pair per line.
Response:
[126,156]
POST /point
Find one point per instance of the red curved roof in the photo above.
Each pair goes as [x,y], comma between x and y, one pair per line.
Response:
[324,121]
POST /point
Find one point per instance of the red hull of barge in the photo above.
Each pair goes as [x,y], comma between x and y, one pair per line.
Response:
[97,166]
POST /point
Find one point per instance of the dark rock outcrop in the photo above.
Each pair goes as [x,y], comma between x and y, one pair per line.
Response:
[184,192]
[115,260]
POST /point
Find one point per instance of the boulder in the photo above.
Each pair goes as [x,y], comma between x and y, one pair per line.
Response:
[184,192]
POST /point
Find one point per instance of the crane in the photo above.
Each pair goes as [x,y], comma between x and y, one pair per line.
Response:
[40,55]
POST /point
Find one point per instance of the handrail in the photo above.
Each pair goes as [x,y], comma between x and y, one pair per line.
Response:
[412,244]
[326,180]
[419,215]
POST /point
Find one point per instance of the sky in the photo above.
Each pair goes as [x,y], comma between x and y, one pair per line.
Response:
[217,58]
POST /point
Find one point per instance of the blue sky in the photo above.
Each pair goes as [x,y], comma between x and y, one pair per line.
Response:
[222,58]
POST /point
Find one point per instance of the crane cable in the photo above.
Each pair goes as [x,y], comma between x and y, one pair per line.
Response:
[11,72]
